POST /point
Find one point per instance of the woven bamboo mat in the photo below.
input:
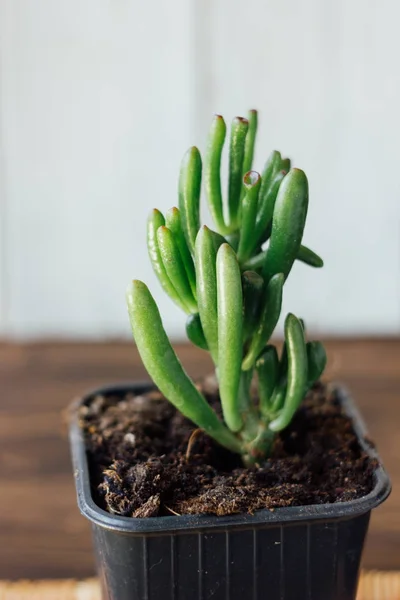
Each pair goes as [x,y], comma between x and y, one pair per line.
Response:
[374,585]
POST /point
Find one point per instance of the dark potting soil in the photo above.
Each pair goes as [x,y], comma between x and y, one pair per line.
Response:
[147,460]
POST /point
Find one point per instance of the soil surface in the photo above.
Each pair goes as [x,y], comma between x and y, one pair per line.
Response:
[142,465]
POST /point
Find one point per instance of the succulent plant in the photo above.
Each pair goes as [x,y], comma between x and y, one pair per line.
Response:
[229,281]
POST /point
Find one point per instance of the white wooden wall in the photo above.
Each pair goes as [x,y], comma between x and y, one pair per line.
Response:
[100,98]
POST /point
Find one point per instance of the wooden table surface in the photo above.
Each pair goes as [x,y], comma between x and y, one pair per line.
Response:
[42,535]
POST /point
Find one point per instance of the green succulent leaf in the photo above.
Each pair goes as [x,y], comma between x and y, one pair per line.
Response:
[288,223]
[165,368]
[174,266]
[269,316]
[174,223]
[236,156]
[229,294]
[251,183]
[256,262]
[279,393]
[271,169]
[309,257]
[194,331]
[297,372]
[155,221]
[212,172]
[316,357]
[189,195]
[252,285]
[286,164]
[305,255]
[266,202]
[206,286]
[250,142]
[267,367]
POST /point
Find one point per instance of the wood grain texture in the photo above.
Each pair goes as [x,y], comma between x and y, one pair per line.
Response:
[374,585]
[42,534]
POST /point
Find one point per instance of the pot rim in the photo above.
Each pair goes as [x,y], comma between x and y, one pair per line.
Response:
[195,523]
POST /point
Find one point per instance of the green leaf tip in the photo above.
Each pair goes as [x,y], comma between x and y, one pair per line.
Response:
[251,185]
[189,194]
[239,130]
[155,221]
[174,222]
[309,257]
[250,142]
[212,168]
[174,266]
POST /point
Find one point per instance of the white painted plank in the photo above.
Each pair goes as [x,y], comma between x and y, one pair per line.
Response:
[96,101]
[3,215]
[99,100]
[325,78]
[3,238]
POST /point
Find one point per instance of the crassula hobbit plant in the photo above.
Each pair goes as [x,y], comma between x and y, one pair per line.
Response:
[229,281]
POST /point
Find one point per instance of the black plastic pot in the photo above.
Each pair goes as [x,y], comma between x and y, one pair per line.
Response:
[304,553]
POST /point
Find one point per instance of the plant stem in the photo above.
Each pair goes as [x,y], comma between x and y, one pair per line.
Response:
[260,448]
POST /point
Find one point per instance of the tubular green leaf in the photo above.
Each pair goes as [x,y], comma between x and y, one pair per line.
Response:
[212,172]
[174,223]
[305,255]
[278,396]
[251,183]
[255,262]
[229,293]
[316,357]
[288,222]
[269,315]
[189,195]
[266,203]
[206,286]
[309,257]
[285,164]
[236,156]
[267,367]
[174,266]
[297,372]
[271,168]
[250,141]
[155,221]
[195,332]
[252,285]
[166,370]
